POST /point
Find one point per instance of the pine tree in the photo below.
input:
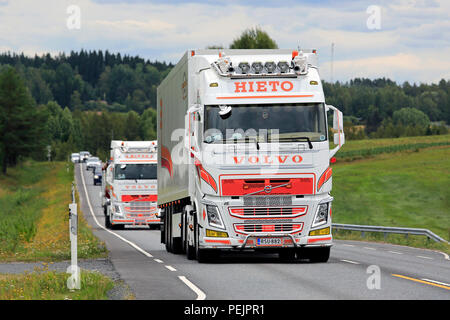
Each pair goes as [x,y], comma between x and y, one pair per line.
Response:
[21,123]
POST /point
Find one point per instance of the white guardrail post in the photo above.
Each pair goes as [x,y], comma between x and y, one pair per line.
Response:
[74,280]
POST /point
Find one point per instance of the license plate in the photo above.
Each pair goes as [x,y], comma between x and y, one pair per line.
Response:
[139,221]
[269,241]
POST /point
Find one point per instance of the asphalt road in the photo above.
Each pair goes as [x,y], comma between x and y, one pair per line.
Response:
[355,270]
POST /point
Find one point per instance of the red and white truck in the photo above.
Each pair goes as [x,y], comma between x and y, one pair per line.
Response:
[244,155]
[129,187]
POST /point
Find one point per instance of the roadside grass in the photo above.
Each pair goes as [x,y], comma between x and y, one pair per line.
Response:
[404,189]
[361,149]
[34,222]
[51,285]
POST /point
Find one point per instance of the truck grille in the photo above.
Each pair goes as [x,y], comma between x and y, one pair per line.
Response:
[269,228]
[140,206]
[266,212]
[268,201]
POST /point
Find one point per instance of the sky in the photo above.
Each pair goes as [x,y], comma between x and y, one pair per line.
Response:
[404,40]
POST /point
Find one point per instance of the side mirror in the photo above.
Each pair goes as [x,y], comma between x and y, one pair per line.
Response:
[338,125]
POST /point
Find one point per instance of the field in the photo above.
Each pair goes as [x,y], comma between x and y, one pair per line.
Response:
[34,222]
[360,149]
[407,188]
[51,285]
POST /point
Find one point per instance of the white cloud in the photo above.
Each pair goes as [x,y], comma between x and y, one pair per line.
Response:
[164,31]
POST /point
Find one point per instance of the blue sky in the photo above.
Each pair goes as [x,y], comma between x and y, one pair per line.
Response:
[411,43]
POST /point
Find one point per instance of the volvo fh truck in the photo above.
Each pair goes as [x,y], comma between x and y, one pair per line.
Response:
[129,187]
[244,154]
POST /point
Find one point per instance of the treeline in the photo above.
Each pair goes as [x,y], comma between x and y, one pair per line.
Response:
[381,108]
[90,80]
[83,100]
[68,132]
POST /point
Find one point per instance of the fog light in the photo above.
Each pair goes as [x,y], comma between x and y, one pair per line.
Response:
[216,234]
[320,232]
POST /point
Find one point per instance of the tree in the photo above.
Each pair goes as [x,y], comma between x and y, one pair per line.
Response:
[254,39]
[411,117]
[21,123]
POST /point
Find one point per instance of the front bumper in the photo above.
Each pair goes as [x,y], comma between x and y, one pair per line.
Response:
[137,220]
[254,242]
[269,226]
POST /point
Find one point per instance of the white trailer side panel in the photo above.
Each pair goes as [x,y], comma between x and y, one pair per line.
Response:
[173,102]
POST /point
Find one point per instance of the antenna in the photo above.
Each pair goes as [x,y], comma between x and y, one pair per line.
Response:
[332,58]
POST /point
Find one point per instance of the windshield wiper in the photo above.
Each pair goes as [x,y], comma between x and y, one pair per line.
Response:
[296,138]
[234,140]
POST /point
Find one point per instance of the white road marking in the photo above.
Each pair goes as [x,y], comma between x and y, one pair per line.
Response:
[113,233]
[171,268]
[395,252]
[437,282]
[348,245]
[446,257]
[200,294]
[424,257]
[158,260]
[369,248]
[349,261]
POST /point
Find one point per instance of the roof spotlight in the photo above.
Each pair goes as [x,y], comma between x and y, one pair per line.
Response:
[270,66]
[300,64]
[283,66]
[244,66]
[257,67]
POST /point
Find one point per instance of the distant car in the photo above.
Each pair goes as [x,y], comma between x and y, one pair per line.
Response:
[75,157]
[84,155]
[98,174]
[93,162]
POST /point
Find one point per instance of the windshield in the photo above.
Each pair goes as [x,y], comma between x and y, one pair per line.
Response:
[267,123]
[134,171]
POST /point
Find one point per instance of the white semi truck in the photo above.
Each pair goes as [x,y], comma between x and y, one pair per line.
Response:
[129,187]
[244,154]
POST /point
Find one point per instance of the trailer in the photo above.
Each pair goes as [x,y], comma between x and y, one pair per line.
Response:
[129,185]
[244,154]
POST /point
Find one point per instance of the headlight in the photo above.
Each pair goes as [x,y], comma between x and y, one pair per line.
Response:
[96,177]
[214,218]
[117,209]
[321,216]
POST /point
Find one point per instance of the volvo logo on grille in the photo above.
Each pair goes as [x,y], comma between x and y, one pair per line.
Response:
[268,189]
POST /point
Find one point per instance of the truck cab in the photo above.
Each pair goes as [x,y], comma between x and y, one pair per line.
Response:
[251,168]
[129,185]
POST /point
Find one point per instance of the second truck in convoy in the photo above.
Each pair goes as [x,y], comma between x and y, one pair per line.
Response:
[244,155]
[129,189]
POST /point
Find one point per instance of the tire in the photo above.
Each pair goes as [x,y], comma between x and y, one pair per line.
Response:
[108,224]
[319,255]
[177,246]
[167,229]
[202,255]
[188,249]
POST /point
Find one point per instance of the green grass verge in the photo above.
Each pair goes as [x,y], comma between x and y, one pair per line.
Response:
[360,149]
[405,189]
[51,285]
[34,224]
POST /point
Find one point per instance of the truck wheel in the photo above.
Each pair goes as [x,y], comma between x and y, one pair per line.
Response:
[319,254]
[203,255]
[107,222]
[167,229]
[177,246]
